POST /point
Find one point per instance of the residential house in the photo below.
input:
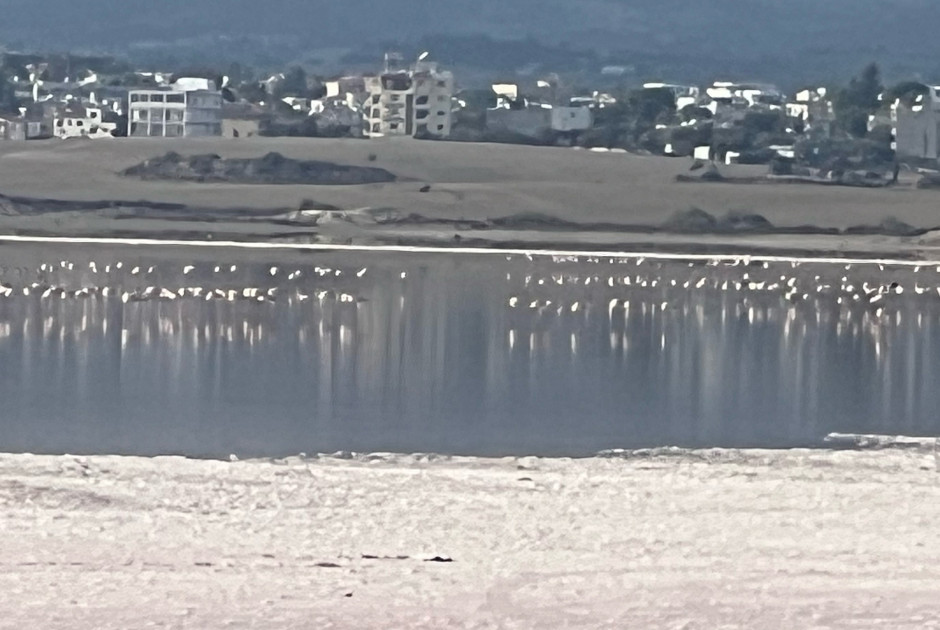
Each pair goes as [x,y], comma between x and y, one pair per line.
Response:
[78,121]
[12,128]
[597,100]
[685,95]
[188,108]
[917,126]
[506,90]
[537,120]
[413,102]
[812,106]
[243,120]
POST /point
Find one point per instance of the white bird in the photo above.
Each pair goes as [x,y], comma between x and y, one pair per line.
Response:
[216,269]
[135,271]
[273,271]
[361,272]
[187,269]
[513,301]
[403,275]
[232,268]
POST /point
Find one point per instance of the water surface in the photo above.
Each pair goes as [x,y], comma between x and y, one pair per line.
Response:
[469,354]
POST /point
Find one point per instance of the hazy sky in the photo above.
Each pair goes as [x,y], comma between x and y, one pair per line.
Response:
[809,33]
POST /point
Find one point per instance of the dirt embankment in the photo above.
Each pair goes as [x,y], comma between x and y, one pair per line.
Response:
[273,168]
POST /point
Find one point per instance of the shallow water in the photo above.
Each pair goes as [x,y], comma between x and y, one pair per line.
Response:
[445,360]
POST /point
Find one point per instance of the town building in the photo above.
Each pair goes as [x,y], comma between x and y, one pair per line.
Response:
[684,95]
[539,121]
[415,102]
[244,120]
[917,126]
[81,122]
[12,128]
[188,108]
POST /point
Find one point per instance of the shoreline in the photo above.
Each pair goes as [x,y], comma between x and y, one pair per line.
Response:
[716,257]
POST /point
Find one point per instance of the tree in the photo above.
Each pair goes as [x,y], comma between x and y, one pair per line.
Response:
[294,83]
[907,92]
[8,100]
[854,103]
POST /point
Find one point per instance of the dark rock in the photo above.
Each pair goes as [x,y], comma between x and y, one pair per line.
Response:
[712,175]
[929,180]
[272,168]
[691,220]
[744,222]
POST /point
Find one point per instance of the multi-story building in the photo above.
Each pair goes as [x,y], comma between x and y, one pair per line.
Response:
[917,126]
[186,109]
[414,102]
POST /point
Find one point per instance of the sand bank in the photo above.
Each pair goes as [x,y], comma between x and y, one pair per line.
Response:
[731,539]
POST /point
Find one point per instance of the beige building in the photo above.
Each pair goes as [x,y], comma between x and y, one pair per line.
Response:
[186,109]
[414,102]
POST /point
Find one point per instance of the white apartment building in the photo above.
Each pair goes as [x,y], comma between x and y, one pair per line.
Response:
[186,109]
[409,103]
[82,122]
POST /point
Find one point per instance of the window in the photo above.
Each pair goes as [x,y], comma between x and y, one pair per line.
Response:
[440,127]
[393,126]
[396,97]
[93,115]
[175,98]
[441,84]
[375,112]
[135,97]
[375,128]
[421,114]
[79,123]
[421,100]
[59,123]
[441,113]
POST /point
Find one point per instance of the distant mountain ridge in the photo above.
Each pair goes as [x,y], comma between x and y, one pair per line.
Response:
[760,36]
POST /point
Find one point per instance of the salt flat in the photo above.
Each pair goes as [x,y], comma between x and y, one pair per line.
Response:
[708,539]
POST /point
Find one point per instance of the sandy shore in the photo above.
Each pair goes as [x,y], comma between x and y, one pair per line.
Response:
[729,539]
[472,182]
